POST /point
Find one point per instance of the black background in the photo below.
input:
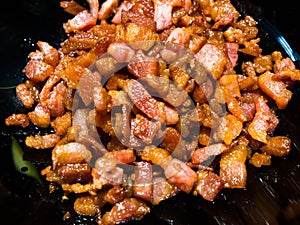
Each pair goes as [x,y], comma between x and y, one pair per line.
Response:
[271,192]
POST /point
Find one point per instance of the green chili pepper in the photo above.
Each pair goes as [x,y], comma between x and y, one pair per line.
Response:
[24,167]
[7,88]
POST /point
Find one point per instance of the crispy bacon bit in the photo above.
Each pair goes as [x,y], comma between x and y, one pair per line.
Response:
[172,116]
[82,21]
[24,95]
[42,142]
[40,116]
[202,154]
[275,89]
[70,153]
[124,155]
[180,37]
[78,188]
[61,124]
[232,167]
[203,92]
[162,190]
[71,7]
[101,99]
[121,52]
[75,172]
[51,55]
[259,159]
[223,13]
[171,139]
[115,194]
[180,175]
[85,205]
[232,52]
[55,103]
[94,7]
[144,101]
[163,12]
[17,120]
[143,184]
[229,128]
[141,12]
[106,172]
[277,146]
[142,67]
[145,129]
[213,59]
[155,155]
[230,87]
[128,209]
[125,6]
[107,9]
[37,70]
[90,80]
[263,120]
[208,185]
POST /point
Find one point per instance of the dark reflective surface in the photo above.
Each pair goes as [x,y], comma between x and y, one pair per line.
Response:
[272,195]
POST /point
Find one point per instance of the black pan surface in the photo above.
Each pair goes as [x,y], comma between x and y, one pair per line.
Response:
[272,195]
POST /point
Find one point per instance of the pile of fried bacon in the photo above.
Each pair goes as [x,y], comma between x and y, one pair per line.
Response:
[147,98]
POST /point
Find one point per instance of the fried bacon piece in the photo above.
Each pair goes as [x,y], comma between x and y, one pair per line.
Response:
[84,205]
[145,129]
[143,184]
[128,209]
[124,7]
[229,129]
[260,159]
[50,54]
[202,154]
[107,8]
[17,120]
[277,146]
[180,175]
[70,153]
[223,13]
[124,155]
[232,167]
[121,52]
[213,59]
[40,116]
[275,89]
[208,185]
[144,101]
[56,101]
[42,142]
[61,124]
[24,95]
[162,190]
[139,12]
[163,12]
[143,66]
[179,37]
[74,172]
[71,7]
[115,194]
[36,69]
[262,122]
[106,172]
[82,21]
